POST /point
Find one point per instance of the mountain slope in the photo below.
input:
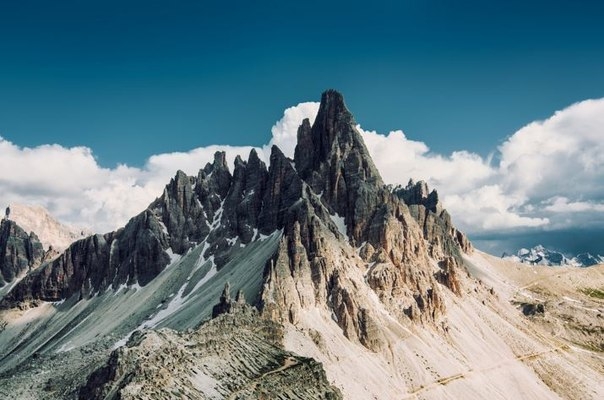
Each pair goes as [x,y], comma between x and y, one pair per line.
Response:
[372,281]
[19,253]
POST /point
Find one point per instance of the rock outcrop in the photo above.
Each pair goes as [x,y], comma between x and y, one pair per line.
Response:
[336,204]
[19,252]
[435,221]
[238,354]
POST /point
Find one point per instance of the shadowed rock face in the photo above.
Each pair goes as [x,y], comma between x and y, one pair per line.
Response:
[19,252]
[332,158]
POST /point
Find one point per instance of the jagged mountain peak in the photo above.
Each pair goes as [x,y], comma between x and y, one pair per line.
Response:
[367,278]
[419,193]
[332,159]
[332,115]
[333,139]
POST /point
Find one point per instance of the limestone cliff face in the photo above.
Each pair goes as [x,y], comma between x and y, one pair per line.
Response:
[343,228]
[435,221]
[445,242]
[19,251]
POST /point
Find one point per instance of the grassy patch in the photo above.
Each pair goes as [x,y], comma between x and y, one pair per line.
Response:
[597,293]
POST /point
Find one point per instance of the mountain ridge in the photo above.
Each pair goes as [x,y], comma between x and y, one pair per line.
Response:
[539,255]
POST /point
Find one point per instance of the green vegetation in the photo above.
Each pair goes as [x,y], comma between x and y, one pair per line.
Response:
[597,293]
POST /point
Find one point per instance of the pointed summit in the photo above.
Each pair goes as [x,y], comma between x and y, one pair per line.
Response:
[332,138]
[332,119]
[332,158]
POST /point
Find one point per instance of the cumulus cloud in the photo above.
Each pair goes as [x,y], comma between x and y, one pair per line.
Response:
[561,204]
[549,175]
[76,189]
[285,131]
[399,159]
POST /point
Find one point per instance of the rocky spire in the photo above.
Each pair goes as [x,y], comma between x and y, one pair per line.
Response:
[333,139]
[332,158]
[225,303]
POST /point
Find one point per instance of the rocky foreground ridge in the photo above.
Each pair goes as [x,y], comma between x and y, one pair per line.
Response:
[211,362]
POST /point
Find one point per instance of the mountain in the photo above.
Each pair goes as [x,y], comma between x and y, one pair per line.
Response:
[352,289]
[587,260]
[19,253]
[539,255]
[49,230]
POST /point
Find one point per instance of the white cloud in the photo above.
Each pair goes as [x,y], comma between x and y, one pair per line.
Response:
[74,188]
[285,131]
[549,171]
[399,159]
[549,174]
[562,204]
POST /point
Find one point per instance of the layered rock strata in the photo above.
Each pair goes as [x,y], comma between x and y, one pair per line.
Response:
[238,354]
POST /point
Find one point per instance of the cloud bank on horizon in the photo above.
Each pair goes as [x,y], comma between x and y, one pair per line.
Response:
[548,176]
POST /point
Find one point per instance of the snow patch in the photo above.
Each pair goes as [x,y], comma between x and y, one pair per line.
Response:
[217,217]
[213,271]
[262,237]
[178,300]
[163,227]
[340,224]
[173,257]
[174,305]
[65,348]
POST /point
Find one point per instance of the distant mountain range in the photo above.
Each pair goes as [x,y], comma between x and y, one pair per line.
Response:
[539,255]
[50,232]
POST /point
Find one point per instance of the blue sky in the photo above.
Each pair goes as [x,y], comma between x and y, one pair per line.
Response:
[128,80]
[135,78]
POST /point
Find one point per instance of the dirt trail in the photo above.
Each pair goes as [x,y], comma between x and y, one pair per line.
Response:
[448,379]
[289,362]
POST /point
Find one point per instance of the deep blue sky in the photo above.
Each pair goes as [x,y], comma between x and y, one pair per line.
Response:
[135,78]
